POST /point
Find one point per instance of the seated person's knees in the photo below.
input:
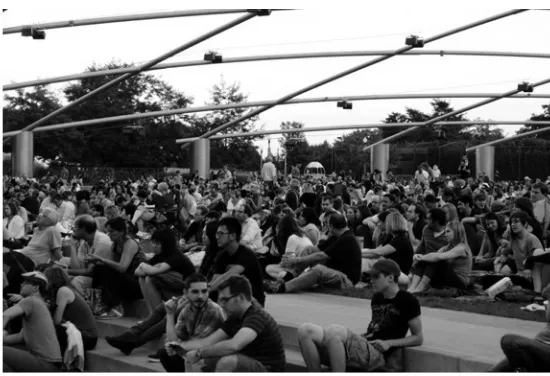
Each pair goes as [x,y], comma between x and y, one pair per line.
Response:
[508,340]
[306,330]
[403,279]
[226,363]
[335,332]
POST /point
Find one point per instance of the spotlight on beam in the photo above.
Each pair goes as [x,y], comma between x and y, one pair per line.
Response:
[415,41]
[345,105]
[525,87]
[213,56]
[34,33]
[260,12]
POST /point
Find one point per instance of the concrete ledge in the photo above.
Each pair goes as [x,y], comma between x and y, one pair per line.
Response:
[105,358]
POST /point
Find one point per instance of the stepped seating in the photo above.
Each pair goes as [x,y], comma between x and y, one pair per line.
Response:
[453,341]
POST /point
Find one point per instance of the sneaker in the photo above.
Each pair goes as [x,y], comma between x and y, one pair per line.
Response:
[154,358]
[125,347]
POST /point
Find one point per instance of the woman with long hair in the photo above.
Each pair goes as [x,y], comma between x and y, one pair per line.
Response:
[310,224]
[211,249]
[235,201]
[116,277]
[294,240]
[451,214]
[14,226]
[70,306]
[161,278]
[495,228]
[449,267]
[397,246]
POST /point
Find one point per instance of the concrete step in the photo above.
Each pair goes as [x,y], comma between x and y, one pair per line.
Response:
[105,358]
[136,308]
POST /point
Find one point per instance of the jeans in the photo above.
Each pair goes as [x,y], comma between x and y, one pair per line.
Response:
[319,275]
[154,326]
[171,363]
[440,274]
[523,353]
[18,360]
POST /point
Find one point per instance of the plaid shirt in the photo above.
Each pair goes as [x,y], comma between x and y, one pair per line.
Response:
[199,323]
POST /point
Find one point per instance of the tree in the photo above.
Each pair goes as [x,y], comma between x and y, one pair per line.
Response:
[545,116]
[228,151]
[480,133]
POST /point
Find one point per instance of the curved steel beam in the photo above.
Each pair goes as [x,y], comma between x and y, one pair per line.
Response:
[515,137]
[142,68]
[456,112]
[122,18]
[242,59]
[358,68]
[114,119]
[358,126]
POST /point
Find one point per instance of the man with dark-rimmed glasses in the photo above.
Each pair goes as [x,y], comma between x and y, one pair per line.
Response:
[235,259]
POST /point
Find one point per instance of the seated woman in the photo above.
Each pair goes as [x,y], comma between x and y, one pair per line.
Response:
[116,277]
[451,214]
[448,267]
[161,278]
[14,227]
[211,249]
[294,241]
[494,229]
[309,222]
[235,202]
[523,245]
[70,306]
[397,246]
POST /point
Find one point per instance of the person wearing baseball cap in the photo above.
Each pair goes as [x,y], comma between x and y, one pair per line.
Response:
[394,313]
[42,353]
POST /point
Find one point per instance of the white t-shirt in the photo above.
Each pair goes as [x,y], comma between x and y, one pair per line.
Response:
[16,227]
[296,244]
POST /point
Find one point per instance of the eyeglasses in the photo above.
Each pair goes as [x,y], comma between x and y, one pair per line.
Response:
[221,233]
[225,300]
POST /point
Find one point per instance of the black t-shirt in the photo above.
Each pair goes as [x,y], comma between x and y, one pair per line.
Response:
[195,229]
[390,317]
[418,228]
[345,256]
[252,270]
[267,347]
[404,251]
[178,262]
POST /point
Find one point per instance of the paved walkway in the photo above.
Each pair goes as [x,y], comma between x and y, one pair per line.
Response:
[471,335]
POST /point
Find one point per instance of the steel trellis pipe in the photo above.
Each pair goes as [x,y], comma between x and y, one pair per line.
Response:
[142,68]
[187,110]
[244,59]
[357,68]
[361,126]
[456,112]
[122,18]
[521,135]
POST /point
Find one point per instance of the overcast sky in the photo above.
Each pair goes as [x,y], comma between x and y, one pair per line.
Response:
[343,28]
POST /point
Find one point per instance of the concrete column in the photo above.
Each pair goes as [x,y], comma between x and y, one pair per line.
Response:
[22,156]
[380,159]
[200,157]
[485,161]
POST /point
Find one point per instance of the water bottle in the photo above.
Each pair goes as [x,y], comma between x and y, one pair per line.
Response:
[499,287]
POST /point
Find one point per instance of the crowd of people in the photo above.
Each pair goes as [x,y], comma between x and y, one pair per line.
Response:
[203,253]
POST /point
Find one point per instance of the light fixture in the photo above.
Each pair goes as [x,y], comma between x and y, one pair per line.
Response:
[213,56]
[345,105]
[33,32]
[525,87]
[415,41]
[260,12]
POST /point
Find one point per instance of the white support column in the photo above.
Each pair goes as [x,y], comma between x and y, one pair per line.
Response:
[485,161]
[200,157]
[380,159]
[22,156]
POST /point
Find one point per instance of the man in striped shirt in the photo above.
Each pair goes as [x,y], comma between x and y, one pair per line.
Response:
[248,341]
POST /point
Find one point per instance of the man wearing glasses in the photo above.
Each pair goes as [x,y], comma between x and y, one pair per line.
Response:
[235,259]
[248,341]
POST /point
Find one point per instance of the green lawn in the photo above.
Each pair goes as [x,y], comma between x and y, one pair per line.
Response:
[446,299]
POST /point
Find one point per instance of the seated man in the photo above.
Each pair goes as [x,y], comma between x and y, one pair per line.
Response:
[42,353]
[337,266]
[193,235]
[45,244]
[394,313]
[86,240]
[199,318]
[248,341]
[251,236]
[143,213]
[526,354]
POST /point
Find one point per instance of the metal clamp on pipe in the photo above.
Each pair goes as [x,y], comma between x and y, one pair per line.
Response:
[525,87]
[345,105]
[415,41]
[213,56]
[260,12]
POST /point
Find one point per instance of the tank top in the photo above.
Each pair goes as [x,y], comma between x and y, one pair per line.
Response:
[80,314]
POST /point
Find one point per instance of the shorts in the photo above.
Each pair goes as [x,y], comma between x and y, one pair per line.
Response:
[168,283]
[361,354]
